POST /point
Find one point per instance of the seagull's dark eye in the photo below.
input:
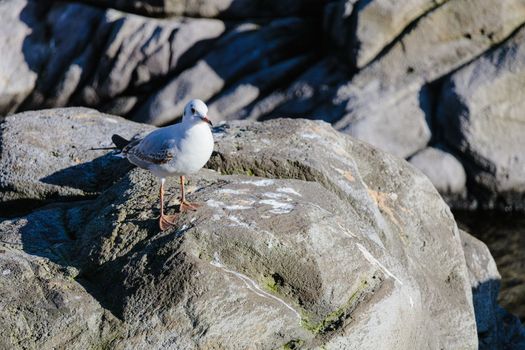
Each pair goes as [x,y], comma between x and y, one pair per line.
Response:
[192,110]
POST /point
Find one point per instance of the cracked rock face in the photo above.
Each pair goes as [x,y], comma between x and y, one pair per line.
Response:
[325,242]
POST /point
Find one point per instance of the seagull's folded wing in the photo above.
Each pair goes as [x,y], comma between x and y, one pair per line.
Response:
[153,149]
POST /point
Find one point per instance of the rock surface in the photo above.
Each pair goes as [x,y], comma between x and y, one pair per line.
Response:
[376,24]
[387,104]
[48,155]
[504,235]
[443,169]
[482,117]
[19,31]
[332,243]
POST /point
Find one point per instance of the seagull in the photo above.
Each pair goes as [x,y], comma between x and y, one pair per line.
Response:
[176,150]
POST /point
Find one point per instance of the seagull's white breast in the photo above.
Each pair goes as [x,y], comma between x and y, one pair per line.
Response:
[192,148]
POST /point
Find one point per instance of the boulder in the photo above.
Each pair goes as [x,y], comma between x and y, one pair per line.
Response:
[141,53]
[387,103]
[481,116]
[51,155]
[443,169]
[233,102]
[332,244]
[75,34]
[302,97]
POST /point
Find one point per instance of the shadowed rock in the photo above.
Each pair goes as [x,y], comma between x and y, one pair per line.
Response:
[261,47]
[374,25]
[388,95]
[48,155]
[496,327]
[481,115]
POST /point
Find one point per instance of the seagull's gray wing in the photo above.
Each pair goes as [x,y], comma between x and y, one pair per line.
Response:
[155,148]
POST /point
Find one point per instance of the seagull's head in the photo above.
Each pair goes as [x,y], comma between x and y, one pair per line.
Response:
[196,111]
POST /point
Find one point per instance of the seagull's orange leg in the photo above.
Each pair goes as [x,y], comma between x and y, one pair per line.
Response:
[184,204]
[165,221]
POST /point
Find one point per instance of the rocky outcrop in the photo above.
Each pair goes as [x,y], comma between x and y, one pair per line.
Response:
[481,116]
[307,238]
[266,48]
[373,69]
[382,99]
[55,155]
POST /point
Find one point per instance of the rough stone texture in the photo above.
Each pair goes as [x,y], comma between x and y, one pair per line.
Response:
[344,259]
[48,155]
[22,52]
[443,169]
[497,329]
[302,98]
[43,305]
[481,115]
[396,124]
[390,91]
[375,24]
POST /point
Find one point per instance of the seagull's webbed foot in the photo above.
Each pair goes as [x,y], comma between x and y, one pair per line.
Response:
[185,206]
[167,221]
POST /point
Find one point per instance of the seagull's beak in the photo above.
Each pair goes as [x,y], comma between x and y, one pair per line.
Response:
[205,119]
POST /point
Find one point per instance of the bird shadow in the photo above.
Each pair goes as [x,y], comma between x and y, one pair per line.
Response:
[90,177]
[74,183]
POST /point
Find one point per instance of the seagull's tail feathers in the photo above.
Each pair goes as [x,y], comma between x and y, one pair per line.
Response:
[119,141]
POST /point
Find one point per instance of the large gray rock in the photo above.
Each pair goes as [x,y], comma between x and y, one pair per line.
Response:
[75,31]
[43,305]
[143,51]
[309,90]
[128,55]
[345,259]
[233,102]
[481,115]
[48,155]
